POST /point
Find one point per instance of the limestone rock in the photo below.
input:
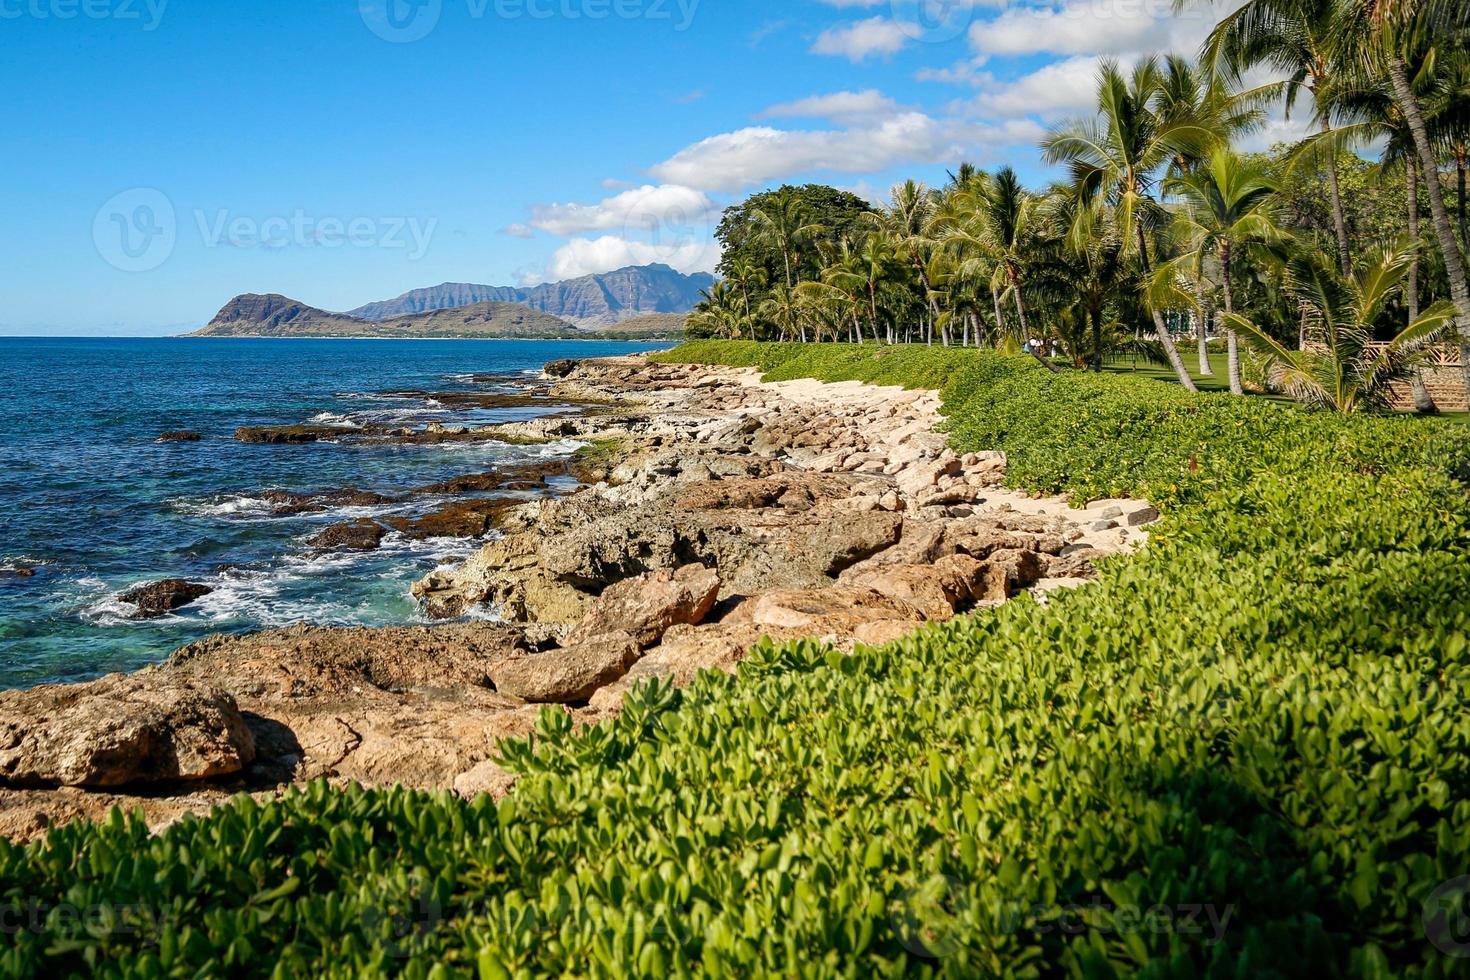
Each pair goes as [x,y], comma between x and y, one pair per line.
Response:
[938,590]
[568,675]
[487,778]
[121,730]
[645,607]
[836,611]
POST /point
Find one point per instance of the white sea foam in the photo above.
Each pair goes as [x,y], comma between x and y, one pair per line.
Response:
[234,506]
[334,419]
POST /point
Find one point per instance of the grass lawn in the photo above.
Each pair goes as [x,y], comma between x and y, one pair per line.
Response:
[1128,364]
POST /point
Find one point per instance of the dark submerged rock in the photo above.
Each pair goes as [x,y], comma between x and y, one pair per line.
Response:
[363,535]
[161,598]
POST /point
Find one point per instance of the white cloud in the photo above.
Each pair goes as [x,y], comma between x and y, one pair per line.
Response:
[857,41]
[1096,27]
[587,256]
[970,71]
[1060,88]
[759,155]
[647,208]
[519,231]
[842,107]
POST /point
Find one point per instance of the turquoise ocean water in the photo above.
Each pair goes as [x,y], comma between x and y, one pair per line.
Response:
[92,503]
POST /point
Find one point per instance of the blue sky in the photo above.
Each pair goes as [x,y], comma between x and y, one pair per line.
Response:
[160,156]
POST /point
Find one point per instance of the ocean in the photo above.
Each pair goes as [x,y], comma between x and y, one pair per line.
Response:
[93,504]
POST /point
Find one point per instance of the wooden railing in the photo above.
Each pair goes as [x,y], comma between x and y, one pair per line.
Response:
[1437,356]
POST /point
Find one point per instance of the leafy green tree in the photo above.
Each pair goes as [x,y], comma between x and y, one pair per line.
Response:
[745,248]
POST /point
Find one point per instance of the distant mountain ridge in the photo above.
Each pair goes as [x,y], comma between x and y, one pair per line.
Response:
[595,301]
[274,315]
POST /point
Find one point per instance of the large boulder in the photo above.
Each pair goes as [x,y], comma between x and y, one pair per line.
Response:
[161,598]
[920,477]
[569,675]
[938,590]
[1008,572]
[119,731]
[645,607]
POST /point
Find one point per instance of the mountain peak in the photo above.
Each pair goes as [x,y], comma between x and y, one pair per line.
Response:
[591,301]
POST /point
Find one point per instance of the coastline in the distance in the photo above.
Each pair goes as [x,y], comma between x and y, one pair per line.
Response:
[636,303]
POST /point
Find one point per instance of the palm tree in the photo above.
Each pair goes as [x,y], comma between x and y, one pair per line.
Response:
[782,224]
[1232,205]
[1302,39]
[1388,32]
[1353,373]
[1119,156]
[719,312]
[908,223]
[782,306]
[1449,121]
[876,260]
[1083,266]
[843,285]
[1191,93]
[1375,119]
[746,275]
[993,221]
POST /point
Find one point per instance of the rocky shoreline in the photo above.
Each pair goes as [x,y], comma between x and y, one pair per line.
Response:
[719,510]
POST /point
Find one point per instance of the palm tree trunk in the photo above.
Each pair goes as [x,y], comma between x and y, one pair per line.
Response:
[1175,361]
[1423,403]
[1000,321]
[1339,220]
[1454,259]
[1201,325]
[1095,315]
[1411,178]
[1232,344]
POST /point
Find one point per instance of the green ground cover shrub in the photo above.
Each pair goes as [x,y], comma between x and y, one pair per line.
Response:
[1244,752]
